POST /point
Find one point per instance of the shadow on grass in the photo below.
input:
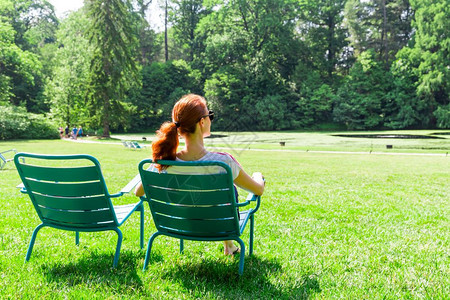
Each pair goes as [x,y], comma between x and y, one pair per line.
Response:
[262,278]
[97,268]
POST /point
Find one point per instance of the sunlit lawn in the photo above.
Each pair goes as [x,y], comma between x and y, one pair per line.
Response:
[325,141]
[345,226]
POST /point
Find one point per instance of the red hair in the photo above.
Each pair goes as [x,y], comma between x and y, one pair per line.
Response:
[186,113]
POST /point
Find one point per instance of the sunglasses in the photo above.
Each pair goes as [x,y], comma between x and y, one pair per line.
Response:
[210,115]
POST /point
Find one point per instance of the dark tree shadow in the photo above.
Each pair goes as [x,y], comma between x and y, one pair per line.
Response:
[223,281]
[98,267]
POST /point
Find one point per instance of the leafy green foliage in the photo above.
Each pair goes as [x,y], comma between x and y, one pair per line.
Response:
[185,15]
[381,25]
[403,108]
[33,25]
[68,87]
[315,98]
[162,85]
[247,57]
[17,123]
[428,58]
[321,23]
[113,67]
[360,99]
[442,114]
[262,64]
[19,69]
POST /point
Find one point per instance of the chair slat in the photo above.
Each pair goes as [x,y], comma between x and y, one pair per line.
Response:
[69,174]
[72,203]
[82,226]
[188,182]
[193,212]
[196,235]
[196,227]
[191,198]
[91,217]
[122,211]
[67,189]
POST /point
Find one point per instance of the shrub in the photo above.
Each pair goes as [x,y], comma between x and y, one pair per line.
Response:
[17,123]
[442,114]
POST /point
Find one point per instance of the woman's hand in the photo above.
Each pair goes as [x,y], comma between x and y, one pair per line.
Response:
[254,184]
[258,177]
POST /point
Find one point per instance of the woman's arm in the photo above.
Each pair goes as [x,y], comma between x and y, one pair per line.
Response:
[139,190]
[254,184]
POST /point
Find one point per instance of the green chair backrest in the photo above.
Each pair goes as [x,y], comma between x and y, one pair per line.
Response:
[192,205]
[67,191]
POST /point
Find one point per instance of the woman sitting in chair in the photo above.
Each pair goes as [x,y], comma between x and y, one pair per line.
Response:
[192,120]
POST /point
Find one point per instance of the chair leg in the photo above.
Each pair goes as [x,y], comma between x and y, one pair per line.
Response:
[242,256]
[252,224]
[149,249]
[77,238]
[181,246]
[119,244]
[141,241]
[33,238]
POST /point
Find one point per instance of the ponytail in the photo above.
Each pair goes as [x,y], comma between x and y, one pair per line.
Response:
[166,144]
[185,115]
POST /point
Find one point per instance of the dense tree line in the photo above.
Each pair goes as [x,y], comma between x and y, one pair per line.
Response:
[262,64]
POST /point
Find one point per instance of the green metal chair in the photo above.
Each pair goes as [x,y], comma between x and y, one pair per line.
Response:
[6,156]
[69,193]
[136,145]
[196,207]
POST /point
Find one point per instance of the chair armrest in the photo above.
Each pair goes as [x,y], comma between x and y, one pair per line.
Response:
[22,188]
[251,197]
[116,195]
[131,185]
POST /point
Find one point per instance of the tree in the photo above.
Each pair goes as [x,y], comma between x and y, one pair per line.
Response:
[426,61]
[382,25]
[185,15]
[35,23]
[18,68]
[30,27]
[321,25]
[163,83]
[113,68]
[315,98]
[250,52]
[148,41]
[360,100]
[67,89]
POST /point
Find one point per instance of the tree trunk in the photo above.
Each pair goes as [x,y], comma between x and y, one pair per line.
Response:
[331,47]
[166,46]
[106,115]
[384,46]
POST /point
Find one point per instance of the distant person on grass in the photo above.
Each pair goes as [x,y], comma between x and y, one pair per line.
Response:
[191,119]
[80,131]
[61,132]
[74,132]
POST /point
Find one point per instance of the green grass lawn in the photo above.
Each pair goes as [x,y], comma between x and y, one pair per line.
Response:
[331,225]
[324,141]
